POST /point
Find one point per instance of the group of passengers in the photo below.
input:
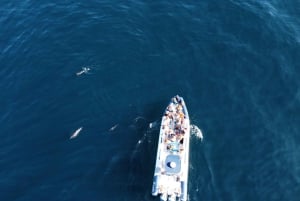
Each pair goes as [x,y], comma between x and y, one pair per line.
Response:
[174,121]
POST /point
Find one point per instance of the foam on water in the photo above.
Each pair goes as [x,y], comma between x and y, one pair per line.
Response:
[195,131]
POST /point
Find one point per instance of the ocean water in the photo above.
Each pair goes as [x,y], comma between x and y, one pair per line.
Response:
[235,62]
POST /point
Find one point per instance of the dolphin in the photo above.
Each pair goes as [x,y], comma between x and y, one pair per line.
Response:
[84,70]
[76,133]
[114,127]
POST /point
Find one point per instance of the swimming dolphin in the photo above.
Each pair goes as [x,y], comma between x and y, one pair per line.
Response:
[114,127]
[76,133]
[84,70]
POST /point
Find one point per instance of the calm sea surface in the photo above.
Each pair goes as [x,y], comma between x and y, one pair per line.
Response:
[235,62]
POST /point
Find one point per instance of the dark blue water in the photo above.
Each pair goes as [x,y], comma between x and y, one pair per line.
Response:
[236,63]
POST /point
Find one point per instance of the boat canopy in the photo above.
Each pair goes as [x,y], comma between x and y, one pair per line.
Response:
[173,164]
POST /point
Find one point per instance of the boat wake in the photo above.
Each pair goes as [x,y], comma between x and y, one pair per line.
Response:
[195,131]
[154,125]
[146,136]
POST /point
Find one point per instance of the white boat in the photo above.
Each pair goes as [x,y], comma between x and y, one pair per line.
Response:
[172,160]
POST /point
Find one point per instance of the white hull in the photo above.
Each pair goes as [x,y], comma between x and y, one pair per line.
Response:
[172,160]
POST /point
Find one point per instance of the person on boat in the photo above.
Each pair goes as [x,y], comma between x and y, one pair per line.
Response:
[181,115]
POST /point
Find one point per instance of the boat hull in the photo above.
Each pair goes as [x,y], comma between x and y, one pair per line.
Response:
[172,159]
